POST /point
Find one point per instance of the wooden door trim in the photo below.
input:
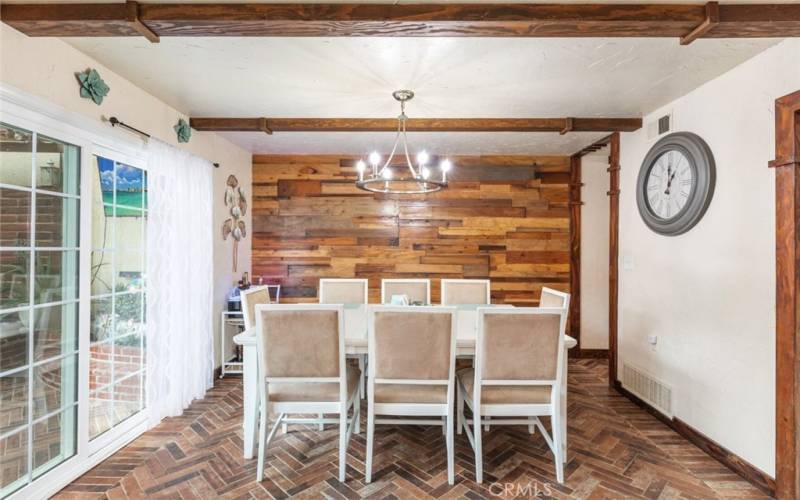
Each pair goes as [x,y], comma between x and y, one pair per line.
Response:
[787,296]
[613,256]
[575,204]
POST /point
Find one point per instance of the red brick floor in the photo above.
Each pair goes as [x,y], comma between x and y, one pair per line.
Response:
[616,450]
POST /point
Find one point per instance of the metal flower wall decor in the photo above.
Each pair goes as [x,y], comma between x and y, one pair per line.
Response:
[92,86]
[234,227]
[183,130]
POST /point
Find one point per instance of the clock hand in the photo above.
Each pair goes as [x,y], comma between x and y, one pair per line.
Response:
[669,178]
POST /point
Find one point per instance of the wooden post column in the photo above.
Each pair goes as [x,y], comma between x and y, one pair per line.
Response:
[613,256]
[787,271]
[575,204]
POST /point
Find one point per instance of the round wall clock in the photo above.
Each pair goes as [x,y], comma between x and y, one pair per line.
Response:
[676,183]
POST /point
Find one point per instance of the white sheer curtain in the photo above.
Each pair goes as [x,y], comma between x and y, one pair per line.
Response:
[179,279]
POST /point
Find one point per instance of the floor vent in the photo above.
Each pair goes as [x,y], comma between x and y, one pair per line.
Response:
[648,388]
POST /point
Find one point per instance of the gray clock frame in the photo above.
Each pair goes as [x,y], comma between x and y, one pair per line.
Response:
[701,161]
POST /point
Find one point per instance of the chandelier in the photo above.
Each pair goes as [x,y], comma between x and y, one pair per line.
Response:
[379,176]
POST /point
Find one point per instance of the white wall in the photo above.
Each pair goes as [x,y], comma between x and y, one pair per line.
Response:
[45,67]
[594,251]
[709,295]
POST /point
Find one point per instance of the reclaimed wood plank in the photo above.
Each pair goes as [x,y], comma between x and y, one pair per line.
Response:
[506,218]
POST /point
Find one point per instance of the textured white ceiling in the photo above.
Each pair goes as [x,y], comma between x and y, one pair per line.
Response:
[453,77]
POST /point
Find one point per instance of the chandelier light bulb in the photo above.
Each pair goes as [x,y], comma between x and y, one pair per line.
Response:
[422,157]
[374,158]
[387,173]
[425,173]
[446,165]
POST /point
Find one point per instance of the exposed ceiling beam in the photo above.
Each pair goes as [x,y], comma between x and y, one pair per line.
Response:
[132,11]
[595,146]
[709,23]
[561,125]
[415,20]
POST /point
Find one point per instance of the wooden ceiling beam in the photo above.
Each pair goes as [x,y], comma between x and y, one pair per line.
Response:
[708,24]
[560,125]
[404,20]
[595,146]
[132,11]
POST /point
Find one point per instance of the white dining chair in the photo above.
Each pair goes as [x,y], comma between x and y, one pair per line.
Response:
[343,291]
[302,369]
[412,353]
[347,291]
[469,292]
[554,298]
[417,290]
[517,375]
[250,298]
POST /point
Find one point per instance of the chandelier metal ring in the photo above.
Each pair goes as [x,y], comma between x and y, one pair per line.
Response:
[420,180]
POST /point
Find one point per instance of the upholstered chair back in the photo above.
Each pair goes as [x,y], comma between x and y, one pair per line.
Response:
[416,290]
[251,298]
[455,292]
[344,291]
[412,342]
[300,341]
[522,345]
[553,298]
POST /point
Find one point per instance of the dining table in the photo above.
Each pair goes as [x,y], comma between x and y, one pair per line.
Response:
[356,343]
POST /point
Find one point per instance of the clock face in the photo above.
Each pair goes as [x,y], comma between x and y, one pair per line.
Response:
[675,183]
[670,184]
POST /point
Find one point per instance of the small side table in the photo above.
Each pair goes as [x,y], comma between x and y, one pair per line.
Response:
[227,319]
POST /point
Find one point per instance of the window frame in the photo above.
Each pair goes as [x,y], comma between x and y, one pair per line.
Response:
[104,438]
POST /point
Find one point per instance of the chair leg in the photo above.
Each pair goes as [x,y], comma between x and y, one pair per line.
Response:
[486,425]
[444,426]
[370,439]
[285,428]
[531,427]
[459,409]
[476,428]
[262,442]
[450,448]
[558,443]
[321,425]
[342,443]
[357,414]
[362,367]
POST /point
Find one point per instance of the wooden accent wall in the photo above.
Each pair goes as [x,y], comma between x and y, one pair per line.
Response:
[503,218]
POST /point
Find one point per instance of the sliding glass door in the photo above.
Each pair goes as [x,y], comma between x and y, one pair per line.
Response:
[39,248]
[73,213]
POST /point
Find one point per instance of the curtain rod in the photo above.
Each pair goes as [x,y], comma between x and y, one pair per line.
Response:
[114,121]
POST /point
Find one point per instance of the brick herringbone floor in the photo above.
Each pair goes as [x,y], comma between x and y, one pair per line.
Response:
[616,450]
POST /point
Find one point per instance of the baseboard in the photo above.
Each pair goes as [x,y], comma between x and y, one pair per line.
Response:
[579,353]
[593,353]
[737,464]
[733,461]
